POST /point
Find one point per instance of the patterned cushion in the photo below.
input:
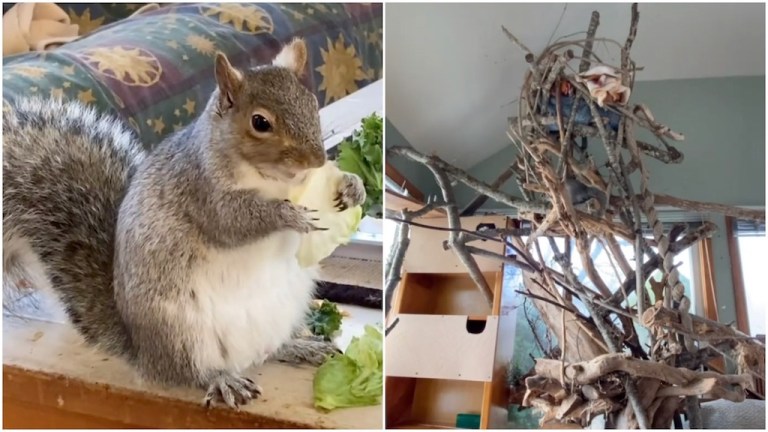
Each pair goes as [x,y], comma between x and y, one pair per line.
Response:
[156,70]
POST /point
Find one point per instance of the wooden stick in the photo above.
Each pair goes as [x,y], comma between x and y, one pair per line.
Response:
[586,260]
[503,258]
[625,61]
[712,387]
[594,21]
[528,52]
[558,64]
[628,286]
[590,371]
[455,238]
[707,207]
[468,180]
[478,202]
[615,249]
[701,328]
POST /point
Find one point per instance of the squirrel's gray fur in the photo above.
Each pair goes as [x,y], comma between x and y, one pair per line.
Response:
[207,197]
[65,171]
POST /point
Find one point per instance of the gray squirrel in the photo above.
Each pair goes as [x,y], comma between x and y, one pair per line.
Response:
[182,260]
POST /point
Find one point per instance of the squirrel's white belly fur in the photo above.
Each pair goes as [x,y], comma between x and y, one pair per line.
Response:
[250,300]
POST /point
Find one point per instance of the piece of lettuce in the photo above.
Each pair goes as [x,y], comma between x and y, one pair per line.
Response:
[363,155]
[354,378]
[324,320]
[318,192]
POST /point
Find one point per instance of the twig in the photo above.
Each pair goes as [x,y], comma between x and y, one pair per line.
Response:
[552,302]
[559,21]
[468,180]
[478,202]
[594,21]
[477,234]
[652,264]
[625,61]
[532,325]
[528,52]
[503,258]
[705,207]
[557,68]
[423,211]
[615,249]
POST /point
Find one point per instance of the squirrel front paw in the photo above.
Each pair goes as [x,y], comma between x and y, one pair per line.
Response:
[305,350]
[351,192]
[299,218]
[232,390]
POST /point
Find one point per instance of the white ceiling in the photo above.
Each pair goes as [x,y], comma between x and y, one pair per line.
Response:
[452,75]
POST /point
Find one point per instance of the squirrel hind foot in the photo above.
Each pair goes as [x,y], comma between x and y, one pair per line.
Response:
[231,390]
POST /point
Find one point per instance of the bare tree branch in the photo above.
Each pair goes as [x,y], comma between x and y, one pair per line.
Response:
[456,239]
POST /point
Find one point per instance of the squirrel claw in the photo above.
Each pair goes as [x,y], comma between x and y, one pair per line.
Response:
[232,390]
[340,204]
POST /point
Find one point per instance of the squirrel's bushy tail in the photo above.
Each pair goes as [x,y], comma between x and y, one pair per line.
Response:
[65,171]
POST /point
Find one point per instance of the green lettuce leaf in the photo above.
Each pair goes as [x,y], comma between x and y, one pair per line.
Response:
[354,378]
[325,320]
[318,192]
[364,155]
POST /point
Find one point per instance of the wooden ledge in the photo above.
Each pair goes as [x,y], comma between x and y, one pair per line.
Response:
[35,399]
[52,380]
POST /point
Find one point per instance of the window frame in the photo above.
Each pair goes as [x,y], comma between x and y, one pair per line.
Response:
[737,275]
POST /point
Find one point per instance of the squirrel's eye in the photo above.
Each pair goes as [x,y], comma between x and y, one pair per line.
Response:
[260,123]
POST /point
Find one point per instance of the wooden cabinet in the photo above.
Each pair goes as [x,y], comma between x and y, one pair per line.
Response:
[441,357]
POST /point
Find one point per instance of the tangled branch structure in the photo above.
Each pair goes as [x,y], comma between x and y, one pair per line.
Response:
[570,106]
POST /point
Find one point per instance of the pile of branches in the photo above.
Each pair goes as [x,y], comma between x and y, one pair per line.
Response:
[567,104]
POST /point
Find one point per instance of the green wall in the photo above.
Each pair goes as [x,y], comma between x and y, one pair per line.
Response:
[416,173]
[723,120]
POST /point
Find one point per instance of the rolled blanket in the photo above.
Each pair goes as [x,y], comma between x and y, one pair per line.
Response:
[36,27]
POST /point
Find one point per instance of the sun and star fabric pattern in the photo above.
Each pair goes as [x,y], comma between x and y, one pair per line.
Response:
[155,70]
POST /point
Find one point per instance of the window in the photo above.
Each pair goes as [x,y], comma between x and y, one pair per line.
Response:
[752,250]
[608,269]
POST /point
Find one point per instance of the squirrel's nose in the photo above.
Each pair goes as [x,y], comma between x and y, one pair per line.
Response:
[318,158]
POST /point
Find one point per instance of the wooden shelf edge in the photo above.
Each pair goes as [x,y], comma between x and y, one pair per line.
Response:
[108,405]
[420,426]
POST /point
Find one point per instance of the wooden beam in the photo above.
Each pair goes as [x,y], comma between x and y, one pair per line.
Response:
[739,295]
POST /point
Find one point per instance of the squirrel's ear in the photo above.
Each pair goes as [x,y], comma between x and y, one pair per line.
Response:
[229,80]
[293,56]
